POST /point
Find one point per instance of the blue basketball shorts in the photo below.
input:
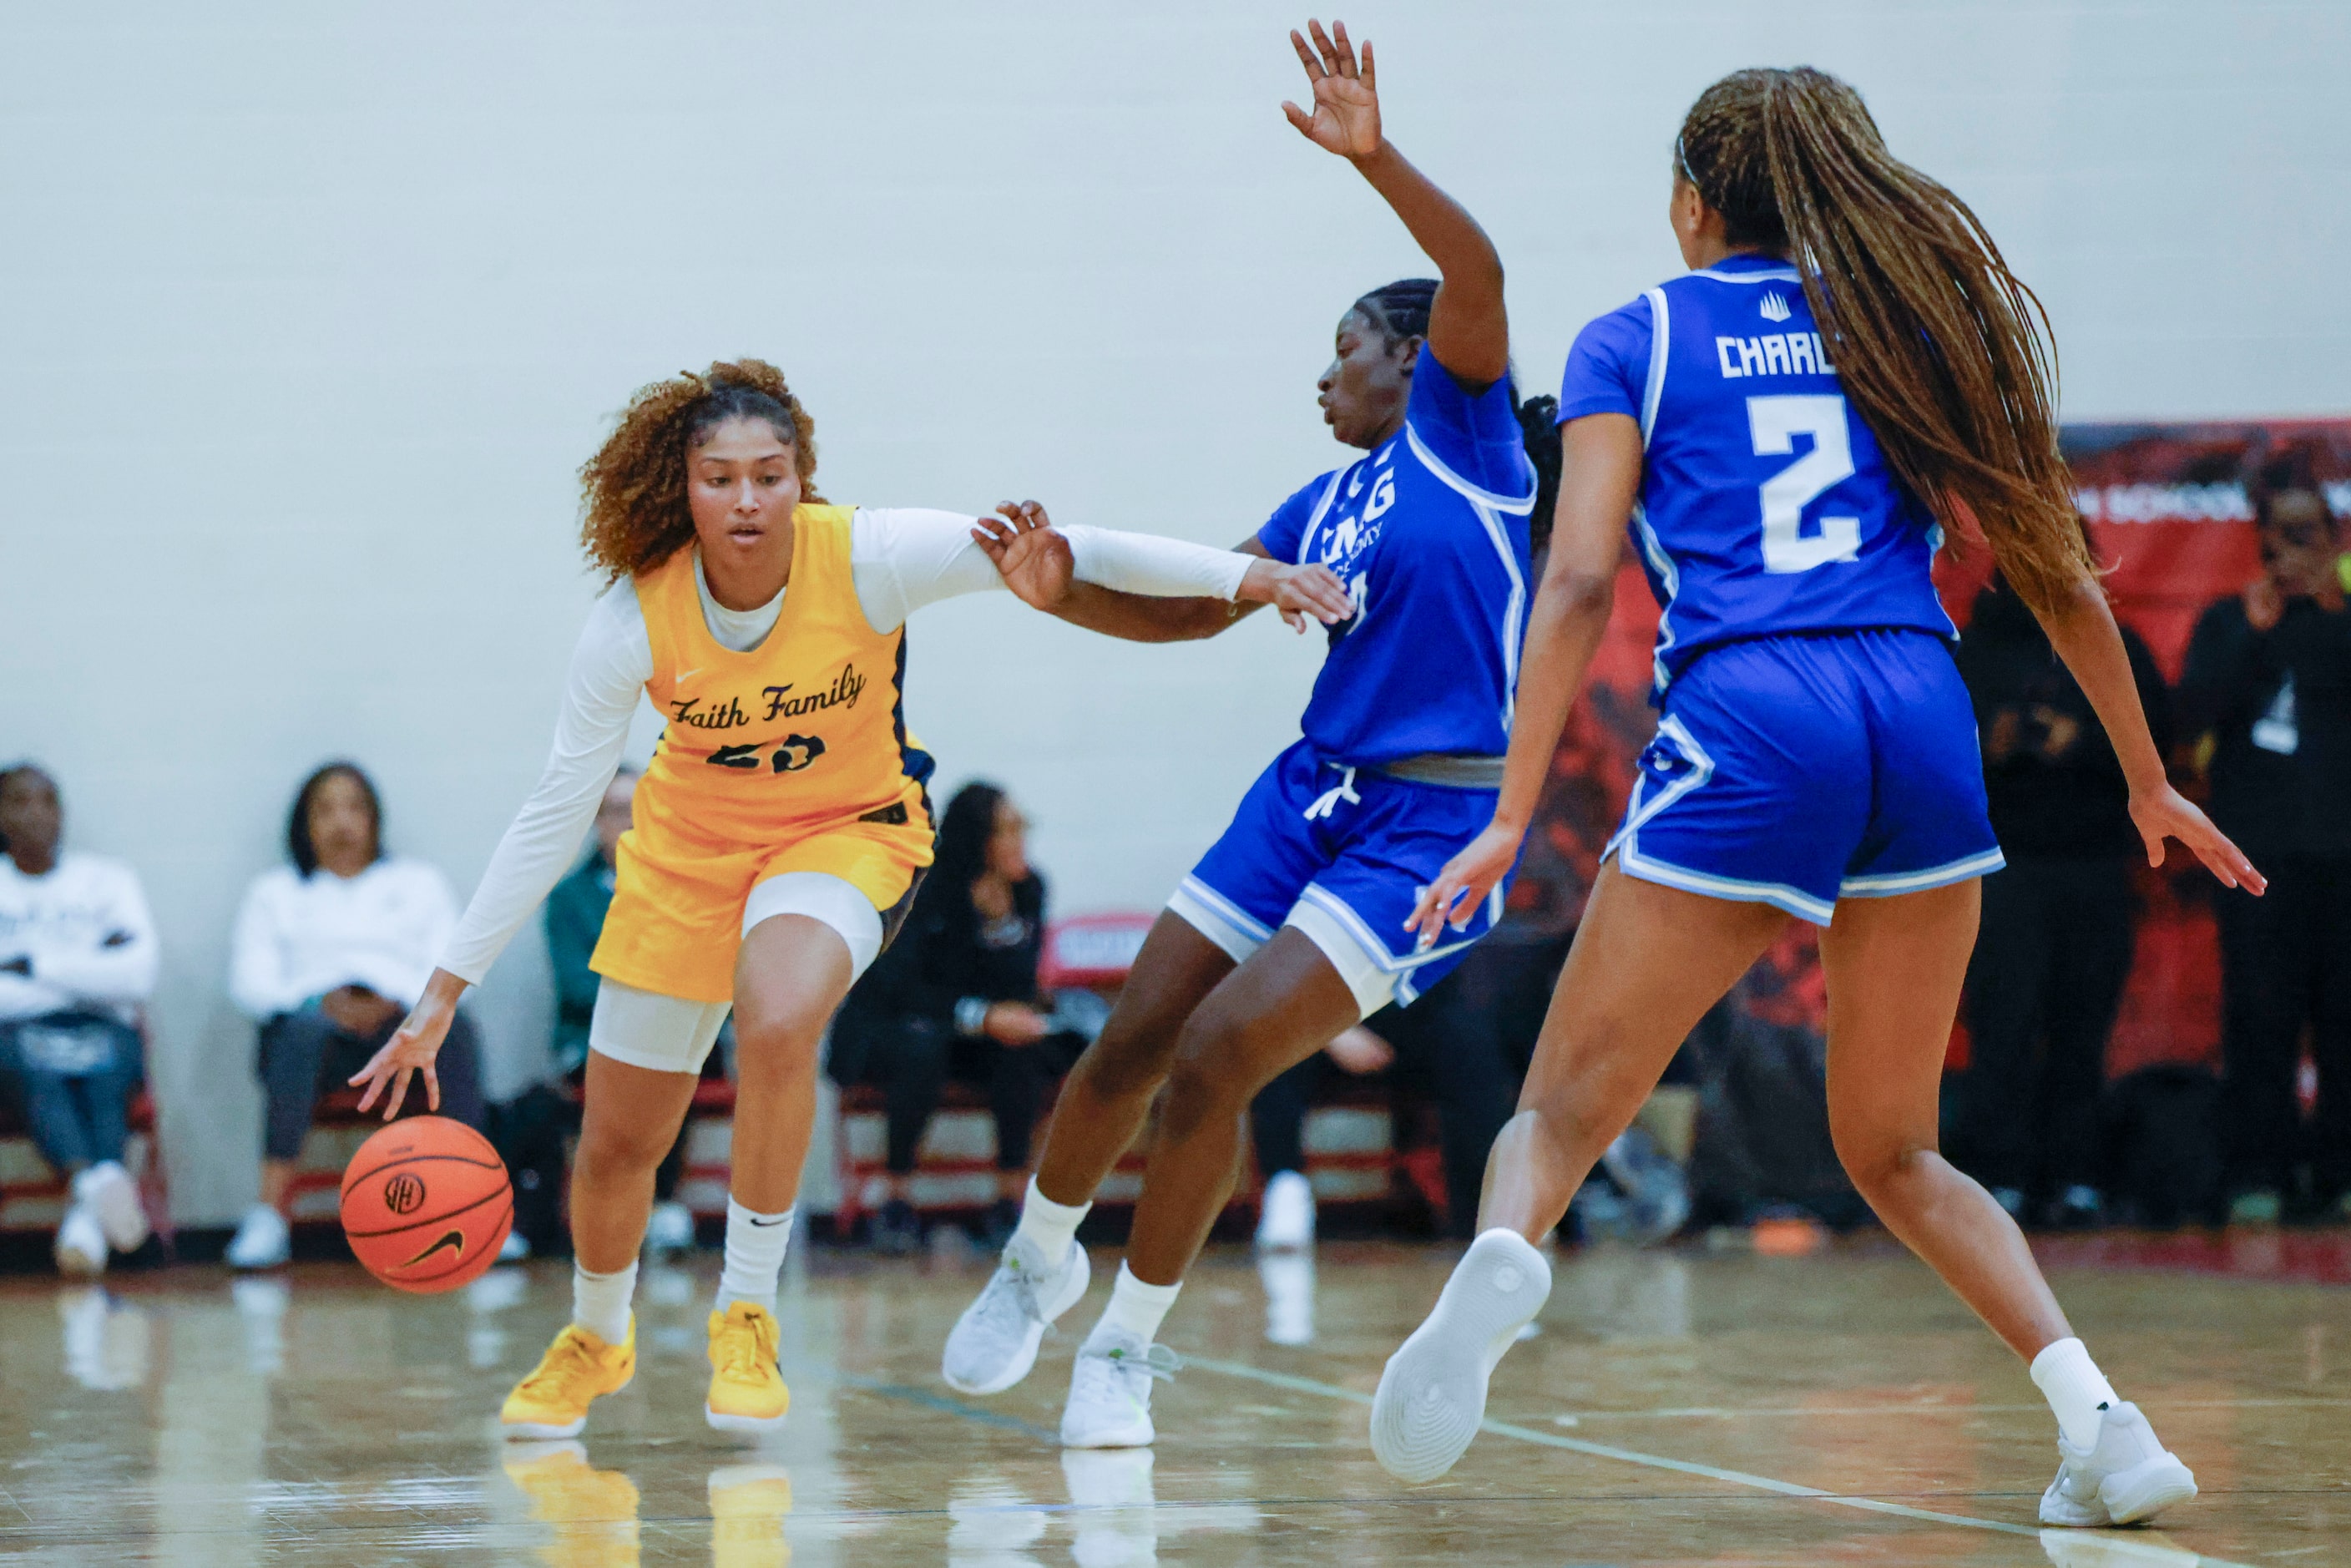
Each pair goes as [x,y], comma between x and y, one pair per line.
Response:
[1797,770]
[1341,853]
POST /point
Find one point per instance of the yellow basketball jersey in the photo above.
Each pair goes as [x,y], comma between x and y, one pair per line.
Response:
[804,730]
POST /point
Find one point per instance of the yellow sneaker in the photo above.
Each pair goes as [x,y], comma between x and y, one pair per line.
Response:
[748,1505]
[552,1402]
[593,1513]
[747,1392]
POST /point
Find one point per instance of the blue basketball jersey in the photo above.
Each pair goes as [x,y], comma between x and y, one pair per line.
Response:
[1428,531]
[1765,506]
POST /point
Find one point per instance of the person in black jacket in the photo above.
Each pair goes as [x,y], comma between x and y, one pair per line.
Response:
[2269,680]
[2053,948]
[956,996]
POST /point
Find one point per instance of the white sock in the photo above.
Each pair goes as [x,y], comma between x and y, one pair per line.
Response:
[2076,1390]
[755,1256]
[1135,1308]
[1049,1226]
[600,1303]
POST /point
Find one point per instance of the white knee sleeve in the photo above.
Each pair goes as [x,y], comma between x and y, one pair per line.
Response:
[647,1030]
[828,899]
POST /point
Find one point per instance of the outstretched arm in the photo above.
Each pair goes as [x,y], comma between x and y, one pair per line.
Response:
[1041,564]
[1468,329]
[1600,473]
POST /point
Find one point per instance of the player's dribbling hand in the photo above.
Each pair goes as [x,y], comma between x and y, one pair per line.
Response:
[1346,118]
[413,1048]
[1298,591]
[2162,812]
[1465,882]
[1032,556]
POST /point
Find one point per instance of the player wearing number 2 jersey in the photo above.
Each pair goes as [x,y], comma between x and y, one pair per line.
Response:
[1848,361]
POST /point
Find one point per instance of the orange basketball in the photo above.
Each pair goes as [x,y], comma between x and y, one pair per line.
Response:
[426,1204]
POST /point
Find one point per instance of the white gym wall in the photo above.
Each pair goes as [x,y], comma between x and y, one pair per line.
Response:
[308,314]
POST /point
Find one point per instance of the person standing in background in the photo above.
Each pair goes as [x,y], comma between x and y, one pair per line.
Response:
[2053,948]
[2269,680]
[77,957]
[328,956]
[575,920]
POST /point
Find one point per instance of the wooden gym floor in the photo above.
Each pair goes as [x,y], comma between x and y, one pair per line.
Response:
[1678,1406]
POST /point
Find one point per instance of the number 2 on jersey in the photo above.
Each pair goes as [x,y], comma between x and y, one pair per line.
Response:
[1775,422]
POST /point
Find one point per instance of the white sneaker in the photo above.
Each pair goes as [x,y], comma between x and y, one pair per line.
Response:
[1285,1218]
[109,1192]
[82,1244]
[515,1249]
[1109,1391]
[670,1228]
[994,1343]
[262,1239]
[1432,1394]
[2127,1476]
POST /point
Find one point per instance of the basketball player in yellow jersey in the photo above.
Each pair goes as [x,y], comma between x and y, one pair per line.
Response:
[779,832]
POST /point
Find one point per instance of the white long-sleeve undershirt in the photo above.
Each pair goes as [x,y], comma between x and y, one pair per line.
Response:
[899,560]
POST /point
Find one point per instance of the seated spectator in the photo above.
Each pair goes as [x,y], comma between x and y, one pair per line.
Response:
[328,957]
[955,998]
[2268,680]
[2053,948]
[575,919]
[77,957]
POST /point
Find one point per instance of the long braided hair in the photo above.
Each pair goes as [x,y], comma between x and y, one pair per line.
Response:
[634,515]
[1400,310]
[1945,352]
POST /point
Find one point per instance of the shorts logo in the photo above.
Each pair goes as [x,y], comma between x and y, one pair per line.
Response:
[404,1193]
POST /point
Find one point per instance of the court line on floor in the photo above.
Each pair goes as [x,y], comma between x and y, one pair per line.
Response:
[1652,1461]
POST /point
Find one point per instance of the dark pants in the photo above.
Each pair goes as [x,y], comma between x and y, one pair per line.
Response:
[2044,985]
[71,1076]
[2285,962]
[304,1053]
[912,1059]
[1467,1044]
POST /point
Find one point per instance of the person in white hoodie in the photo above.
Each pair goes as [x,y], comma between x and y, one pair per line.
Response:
[328,955]
[77,957]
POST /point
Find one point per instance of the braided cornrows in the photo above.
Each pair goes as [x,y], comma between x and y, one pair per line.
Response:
[1945,352]
[634,513]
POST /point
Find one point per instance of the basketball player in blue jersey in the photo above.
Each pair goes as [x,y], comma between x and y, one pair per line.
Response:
[1292,926]
[1848,361]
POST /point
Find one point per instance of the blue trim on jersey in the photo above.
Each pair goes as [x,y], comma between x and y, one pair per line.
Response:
[1751,274]
[1518,507]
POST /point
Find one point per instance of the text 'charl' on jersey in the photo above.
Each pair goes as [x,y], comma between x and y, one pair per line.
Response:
[1428,532]
[1766,507]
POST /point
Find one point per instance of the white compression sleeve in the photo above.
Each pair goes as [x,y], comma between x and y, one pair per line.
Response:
[904,558]
[1155,566]
[609,668]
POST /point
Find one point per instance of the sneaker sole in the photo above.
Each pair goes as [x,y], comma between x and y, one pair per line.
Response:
[2147,1488]
[1129,1437]
[1074,1283]
[529,1429]
[721,1421]
[1432,1393]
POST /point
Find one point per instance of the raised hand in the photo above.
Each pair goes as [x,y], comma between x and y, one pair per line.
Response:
[1346,118]
[1034,560]
[2163,813]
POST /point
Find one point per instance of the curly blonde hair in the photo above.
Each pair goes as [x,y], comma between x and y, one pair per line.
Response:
[633,509]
